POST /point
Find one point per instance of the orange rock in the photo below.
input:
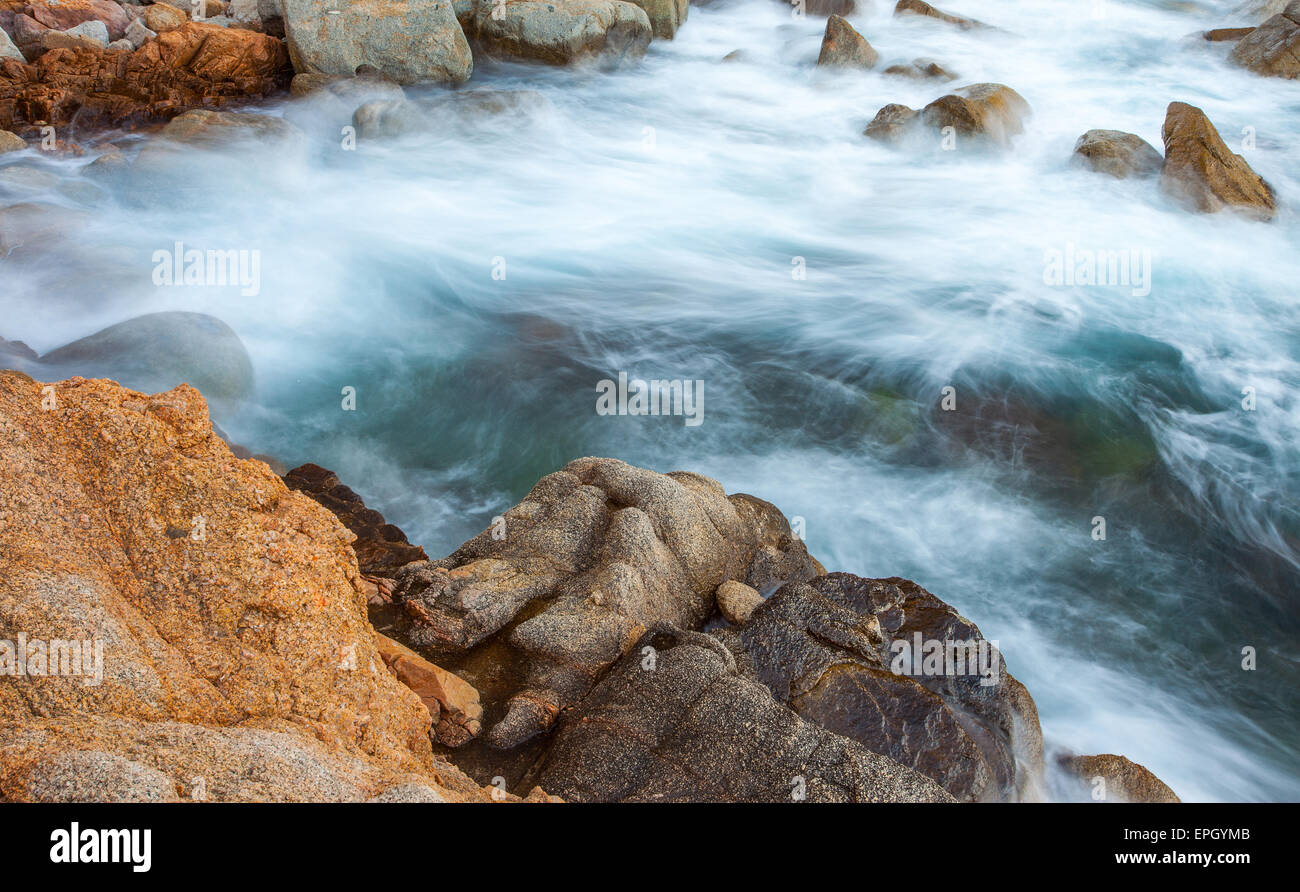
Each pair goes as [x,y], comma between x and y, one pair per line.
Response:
[452,702]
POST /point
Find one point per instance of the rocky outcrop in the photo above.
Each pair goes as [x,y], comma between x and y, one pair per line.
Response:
[574,574]
[1117,153]
[197,65]
[921,8]
[209,623]
[381,548]
[1203,173]
[1120,779]
[1272,49]
[562,32]
[407,41]
[981,115]
[843,47]
[673,721]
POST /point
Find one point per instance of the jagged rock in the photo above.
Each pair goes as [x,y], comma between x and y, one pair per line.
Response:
[921,8]
[195,65]
[381,548]
[921,69]
[235,659]
[452,702]
[1272,49]
[562,32]
[843,47]
[87,35]
[139,34]
[407,41]
[1203,173]
[983,115]
[666,16]
[687,727]
[11,142]
[1224,35]
[158,350]
[1117,153]
[594,555]
[1125,781]
[737,601]
[60,15]
[855,656]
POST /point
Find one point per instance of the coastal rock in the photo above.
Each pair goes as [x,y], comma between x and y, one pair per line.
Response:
[87,35]
[666,16]
[61,15]
[673,722]
[737,601]
[1272,49]
[982,115]
[8,50]
[234,660]
[381,548]
[139,34]
[921,69]
[1202,172]
[828,7]
[1124,781]
[843,47]
[921,8]
[158,350]
[562,32]
[195,65]
[1117,153]
[865,658]
[574,574]
[453,703]
[1224,35]
[891,124]
[11,142]
[162,17]
[407,41]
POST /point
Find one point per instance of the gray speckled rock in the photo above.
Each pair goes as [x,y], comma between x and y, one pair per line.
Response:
[692,729]
[92,776]
[406,40]
[561,32]
[7,48]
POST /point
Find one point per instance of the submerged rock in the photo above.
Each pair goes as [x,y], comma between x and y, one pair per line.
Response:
[1121,779]
[666,16]
[673,721]
[1272,49]
[1202,172]
[843,47]
[921,69]
[11,142]
[382,549]
[407,41]
[562,32]
[982,115]
[1117,153]
[921,8]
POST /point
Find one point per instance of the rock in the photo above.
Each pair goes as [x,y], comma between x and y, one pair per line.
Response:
[666,16]
[60,15]
[1117,153]
[11,142]
[452,702]
[1201,172]
[25,180]
[123,45]
[87,35]
[214,129]
[139,34]
[209,9]
[891,124]
[1272,49]
[381,548]
[830,649]
[691,729]
[921,8]
[1124,781]
[921,69]
[829,7]
[564,31]
[737,601]
[388,119]
[405,40]
[195,65]
[8,50]
[575,573]
[1222,35]
[160,350]
[982,115]
[110,167]
[1260,10]
[843,47]
[162,17]
[235,659]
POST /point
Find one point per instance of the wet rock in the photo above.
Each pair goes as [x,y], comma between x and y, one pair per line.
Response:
[160,350]
[162,17]
[921,69]
[407,42]
[891,124]
[563,32]
[736,601]
[1122,780]
[982,115]
[235,659]
[866,659]
[1224,35]
[453,703]
[921,8]
[1200,171]
[87,35]
[1117,153]
[687,727]
[666,16]
[594,555]
[843,47]
[11,142]
[830,7]
[382,549]
[1272,49]
[388,119]
[1260,10]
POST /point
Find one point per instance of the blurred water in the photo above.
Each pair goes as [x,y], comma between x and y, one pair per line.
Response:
[649,221]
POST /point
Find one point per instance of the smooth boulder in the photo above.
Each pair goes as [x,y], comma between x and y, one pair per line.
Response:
[844,47]
[1201,172]
[1117,153]
[666,16]
[563,32]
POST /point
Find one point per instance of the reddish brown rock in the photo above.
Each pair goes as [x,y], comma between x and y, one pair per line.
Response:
[1224,35]
[1122,780]
[1203,173]
[61,15]
[197,65]
[921,8]
[1272,49]
[844,47]
[453,703]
